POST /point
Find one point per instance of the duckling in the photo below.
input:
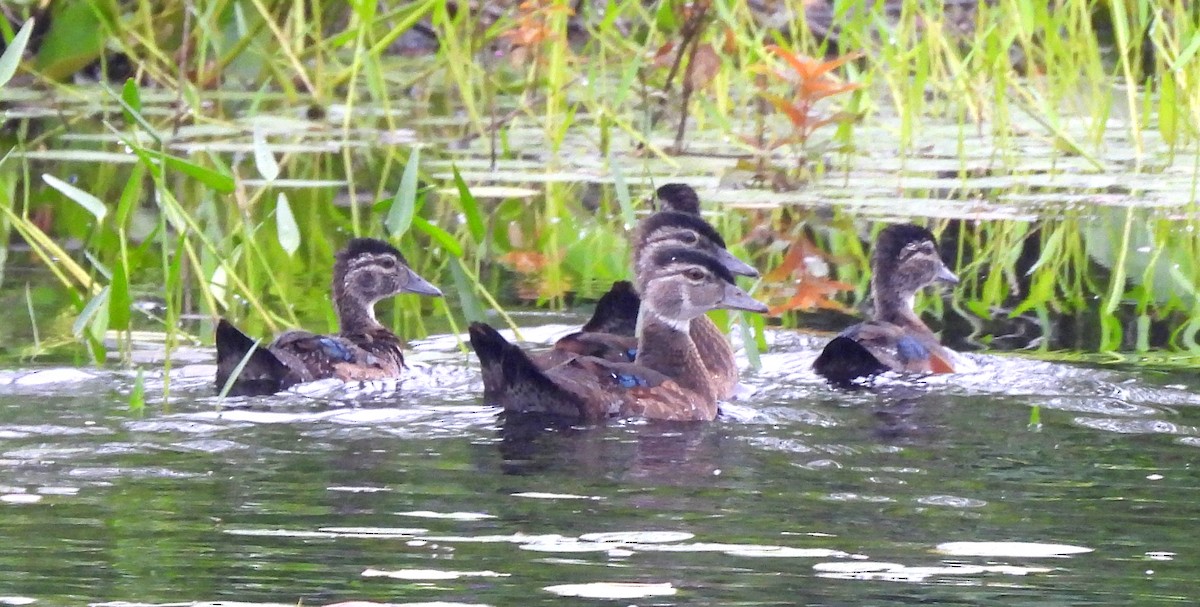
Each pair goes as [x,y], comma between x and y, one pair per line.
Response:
[667,380]
[364,272]
[610,332]
[678,224]
[678,197]
[904,261]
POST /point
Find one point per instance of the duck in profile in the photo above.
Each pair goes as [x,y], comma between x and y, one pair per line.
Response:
[905,260]
[667,380]
[610,332]
[364,272]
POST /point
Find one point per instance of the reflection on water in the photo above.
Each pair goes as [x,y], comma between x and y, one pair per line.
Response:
[935,491]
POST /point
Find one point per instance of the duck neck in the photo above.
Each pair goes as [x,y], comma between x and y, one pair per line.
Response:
[896,306]
[354,315]
[666,345]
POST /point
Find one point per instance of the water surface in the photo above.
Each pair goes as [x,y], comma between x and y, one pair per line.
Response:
[934,492]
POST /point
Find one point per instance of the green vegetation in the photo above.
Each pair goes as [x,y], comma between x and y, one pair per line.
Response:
[211,155]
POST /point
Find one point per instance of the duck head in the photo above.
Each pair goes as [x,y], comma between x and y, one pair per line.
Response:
[368,270]
[666,229]
[904,261]
[681,283]
[678,197]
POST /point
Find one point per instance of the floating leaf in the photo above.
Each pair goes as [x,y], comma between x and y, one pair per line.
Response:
[90,203]
[12,55]
[404,204]
[285,225]
[263,158]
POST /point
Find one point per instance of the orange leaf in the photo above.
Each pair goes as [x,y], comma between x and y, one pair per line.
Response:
[812,293]
[662,57]
[703,67]
[820,88]
[792,261]
[730,43]
[808,68]
[523,262]
[805,67]
[797,115]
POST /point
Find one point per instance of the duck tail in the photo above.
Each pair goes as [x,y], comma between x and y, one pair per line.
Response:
[512,380]
[616,311]
[490,346]
[262,372]
[843,360]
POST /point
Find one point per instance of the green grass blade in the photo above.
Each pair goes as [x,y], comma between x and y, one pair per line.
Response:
[217,181]
[470,207]
[89,203]
[400,216]
[12,55]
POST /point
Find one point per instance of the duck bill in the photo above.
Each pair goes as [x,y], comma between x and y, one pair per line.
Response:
[737,299]
[735,265]
[945,275]
[420,286]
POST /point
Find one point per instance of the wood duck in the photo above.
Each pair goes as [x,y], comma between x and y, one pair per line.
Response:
[667,380]
[610,332]
[904,261]
[364,272]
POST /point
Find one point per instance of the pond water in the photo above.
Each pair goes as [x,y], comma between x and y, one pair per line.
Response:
[1022,482]
[923,492]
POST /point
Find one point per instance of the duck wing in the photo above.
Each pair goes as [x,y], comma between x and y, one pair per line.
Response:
[263,372]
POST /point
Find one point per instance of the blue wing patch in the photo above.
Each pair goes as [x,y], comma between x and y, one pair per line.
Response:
[335,349]
[909,349]
[629,380]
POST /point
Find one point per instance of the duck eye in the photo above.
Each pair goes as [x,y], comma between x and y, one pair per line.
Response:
[695,274]
[387,263]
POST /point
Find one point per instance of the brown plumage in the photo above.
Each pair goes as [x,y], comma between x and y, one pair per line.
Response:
[668,378]
[905,260]
[364,272]
[678,225]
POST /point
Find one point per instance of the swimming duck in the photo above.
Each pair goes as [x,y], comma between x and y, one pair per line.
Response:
[364,272]
[904,261]
[610,332]
[667,380]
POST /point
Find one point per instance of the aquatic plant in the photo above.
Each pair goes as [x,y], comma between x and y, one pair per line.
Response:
[206,158]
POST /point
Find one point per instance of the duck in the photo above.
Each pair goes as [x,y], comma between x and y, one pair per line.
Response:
[667,379]
[365,271]
[610,331]
[905,260]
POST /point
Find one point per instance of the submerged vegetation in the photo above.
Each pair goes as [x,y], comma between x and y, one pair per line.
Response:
[189,159]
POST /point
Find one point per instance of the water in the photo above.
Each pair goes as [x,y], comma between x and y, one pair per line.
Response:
[936,492]
[941,492]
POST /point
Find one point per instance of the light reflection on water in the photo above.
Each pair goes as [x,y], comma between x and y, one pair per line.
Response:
[411,492]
